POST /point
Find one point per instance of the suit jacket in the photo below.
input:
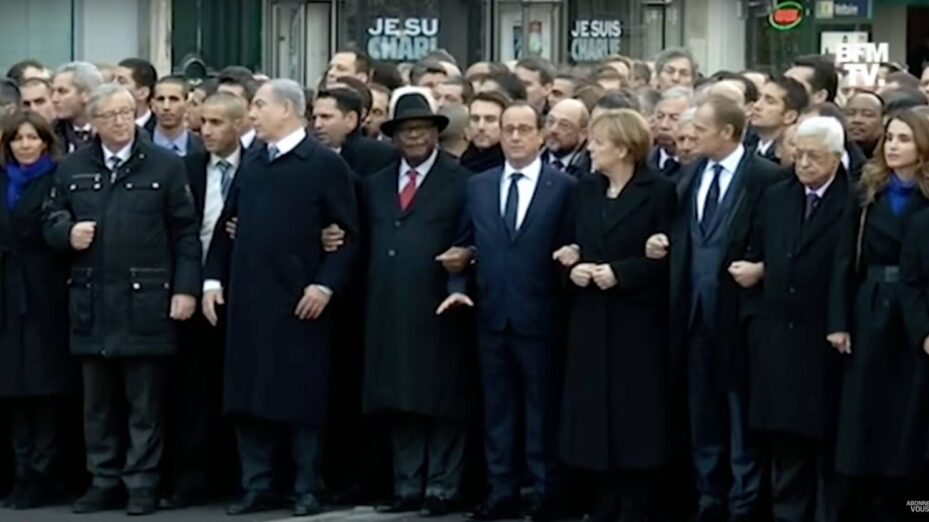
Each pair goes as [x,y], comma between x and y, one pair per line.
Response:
[753,176]
[367,156]
[68,137]
[405,370]
[796,375]
[579,164]
[672,170]
[196,164]
[856,160]
[277,365]
[518,283]
[481,160]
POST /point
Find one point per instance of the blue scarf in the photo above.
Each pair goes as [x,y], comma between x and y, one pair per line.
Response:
[899,192]
[19,177]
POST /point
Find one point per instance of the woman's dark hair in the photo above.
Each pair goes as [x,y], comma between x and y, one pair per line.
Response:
[11,127]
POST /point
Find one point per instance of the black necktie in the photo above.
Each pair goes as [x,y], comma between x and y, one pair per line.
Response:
[711,203]
[512,202]
[558,164]
[812,203]
[670,165]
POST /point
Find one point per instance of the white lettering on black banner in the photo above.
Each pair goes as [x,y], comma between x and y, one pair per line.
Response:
[593,40]
[407,39]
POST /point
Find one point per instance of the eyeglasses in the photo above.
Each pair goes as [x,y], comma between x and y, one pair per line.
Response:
[111,116]
[521,130]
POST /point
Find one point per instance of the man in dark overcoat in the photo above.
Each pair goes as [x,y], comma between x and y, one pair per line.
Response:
[122,208]
[417,363]
[279,282]
[796,374]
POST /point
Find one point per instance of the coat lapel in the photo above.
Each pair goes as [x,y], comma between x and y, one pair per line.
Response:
[732,201]
[630,199]
[542,192]
[829,210]
[434,182]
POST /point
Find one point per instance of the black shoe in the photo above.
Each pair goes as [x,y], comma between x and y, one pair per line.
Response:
[307,505]
[141,502]
[400,505]
[436,507]
[543,510]
[253,502]
[19,489]
[499,510]
[99,499]
[35,493]
[181,501]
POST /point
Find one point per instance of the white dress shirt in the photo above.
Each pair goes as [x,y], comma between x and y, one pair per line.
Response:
[422,170]
[763,147]
[143,119]
[289,142]
[821,191]
[247,139]
[664,157]
[525,186]
[213,199]
[123,154]
[846,160]
[730,163]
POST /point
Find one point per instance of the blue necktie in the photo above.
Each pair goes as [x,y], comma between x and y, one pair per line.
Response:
[711,203]
[225,179]
[273,153]
[512,202]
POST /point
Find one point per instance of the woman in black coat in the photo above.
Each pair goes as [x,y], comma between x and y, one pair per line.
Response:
[616,400]
[885,395]
[35,366]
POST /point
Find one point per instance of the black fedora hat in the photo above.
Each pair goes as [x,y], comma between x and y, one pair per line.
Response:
[411,103]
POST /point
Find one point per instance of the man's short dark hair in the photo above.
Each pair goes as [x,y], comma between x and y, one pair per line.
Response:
[241,77]
[621,99]
[9,93]
[641,71]
[497,98]
[795,95]
[174,80]
[648,100]
[467,91]
[727,112]
[363,62]
[346,100]
[36,81]
[208,86]
[673,53]
[16,72]
[903,79]
[510,84]
[387,74]
[361,88]
[825,77]
[538,65]
[899,100]
[539,118]
[442,55]
[143,73]
[424,67]
[750,89]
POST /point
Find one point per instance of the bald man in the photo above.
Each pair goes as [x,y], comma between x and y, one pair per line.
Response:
[566,137]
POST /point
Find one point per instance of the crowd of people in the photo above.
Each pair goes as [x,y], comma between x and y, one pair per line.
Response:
[627,290]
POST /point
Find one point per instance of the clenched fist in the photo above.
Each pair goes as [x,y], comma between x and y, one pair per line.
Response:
[82,234]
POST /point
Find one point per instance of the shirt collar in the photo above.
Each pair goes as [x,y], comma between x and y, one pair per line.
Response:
[233,159]
[161,140]
[143,119]
[289,142]
[846,160]
[123,154]
[821,191]
[565,160]
[532,171]
[247,138]
[85,128]
[423,168]
[731,162]
[663,156]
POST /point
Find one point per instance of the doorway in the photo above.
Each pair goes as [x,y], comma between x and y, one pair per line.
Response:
[299,39]
[525,29]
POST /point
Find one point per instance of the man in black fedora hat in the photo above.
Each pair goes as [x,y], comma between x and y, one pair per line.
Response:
[418,368]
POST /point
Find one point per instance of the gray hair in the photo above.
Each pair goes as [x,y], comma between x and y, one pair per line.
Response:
[673,53]
[84,75]
[687,117]
[677,93]
[288,91]
[105,92]
[825,128]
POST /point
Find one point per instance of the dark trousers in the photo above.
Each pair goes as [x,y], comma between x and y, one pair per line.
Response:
[518,377]
[258,440]
[199,450]
[113,387]
[725,455]
[428,453]
[630,492]
[804,485]
[36,433]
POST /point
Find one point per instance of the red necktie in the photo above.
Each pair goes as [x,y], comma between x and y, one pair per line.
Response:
[409,190]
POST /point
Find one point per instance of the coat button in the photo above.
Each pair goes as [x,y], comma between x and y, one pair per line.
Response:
[136,286]
[790,325]
[789,255]
[155,185]
[792,290]
[103,353]
[73,187]
[128,186]
[96,186]
[391,252]
[398,223]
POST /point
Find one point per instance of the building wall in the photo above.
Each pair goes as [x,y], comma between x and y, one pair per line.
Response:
[715,32]
[39,29]
[106,30]
[890,27]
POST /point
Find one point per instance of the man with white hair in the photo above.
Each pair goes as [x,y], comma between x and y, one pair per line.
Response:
[71,89]
[796,374]
[566,138]
[673,103]
[122,210]
[278,284]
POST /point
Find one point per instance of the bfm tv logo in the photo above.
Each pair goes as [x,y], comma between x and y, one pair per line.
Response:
[862,62]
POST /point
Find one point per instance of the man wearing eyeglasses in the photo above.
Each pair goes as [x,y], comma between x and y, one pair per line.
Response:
[566,138]
[123,211]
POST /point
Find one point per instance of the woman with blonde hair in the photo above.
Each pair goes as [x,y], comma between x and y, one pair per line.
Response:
[615,396]
[884,408]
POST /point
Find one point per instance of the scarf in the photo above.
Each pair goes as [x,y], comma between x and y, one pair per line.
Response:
[899,192]
[19,177]
[479,160]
